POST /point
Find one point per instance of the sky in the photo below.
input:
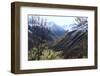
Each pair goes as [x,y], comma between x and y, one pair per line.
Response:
[59,20]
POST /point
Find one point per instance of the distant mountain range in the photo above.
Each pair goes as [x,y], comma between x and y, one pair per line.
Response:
[56,29]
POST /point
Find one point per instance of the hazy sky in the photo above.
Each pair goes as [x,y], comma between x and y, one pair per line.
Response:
[66,22]
[59,20]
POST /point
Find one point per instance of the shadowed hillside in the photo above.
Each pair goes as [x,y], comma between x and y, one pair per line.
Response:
[74,45]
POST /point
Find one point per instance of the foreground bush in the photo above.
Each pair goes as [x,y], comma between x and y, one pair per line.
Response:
[46,54]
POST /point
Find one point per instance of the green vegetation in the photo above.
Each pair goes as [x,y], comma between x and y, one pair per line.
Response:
[32,54]
[47,54]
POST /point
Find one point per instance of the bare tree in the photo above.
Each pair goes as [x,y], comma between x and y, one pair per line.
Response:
[38,34]
[81,23]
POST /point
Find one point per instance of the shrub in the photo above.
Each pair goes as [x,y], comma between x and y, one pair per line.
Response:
[47,54]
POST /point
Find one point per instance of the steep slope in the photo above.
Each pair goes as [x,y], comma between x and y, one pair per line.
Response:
[50,33]
[74,44]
